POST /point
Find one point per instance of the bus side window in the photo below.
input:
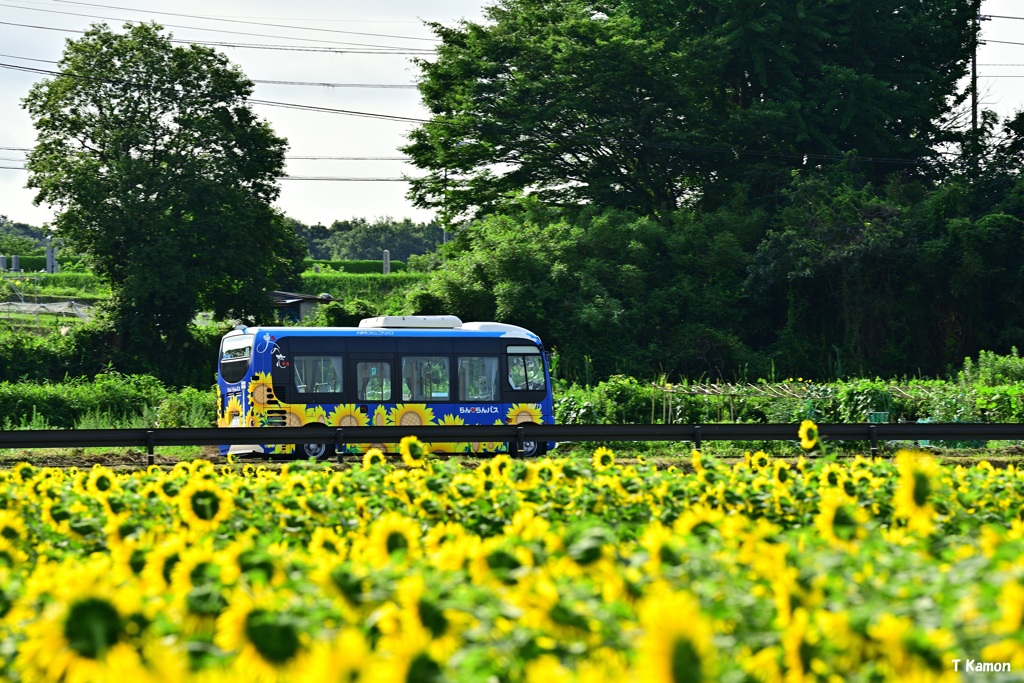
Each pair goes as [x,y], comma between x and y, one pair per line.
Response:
[425,378]
[373,381]
[478,378]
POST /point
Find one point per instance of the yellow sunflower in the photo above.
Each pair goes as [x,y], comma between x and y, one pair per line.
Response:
[23,472]
[348,415]
[393,536]
[84,631]
[269,644]
[524,412]
[203,505]
[102,481]
[158,562]
[916,490]
[315,414]
[380,417]
[12,526]
[603,458]
[839,522]
[196,587]
[374,457]
[346,658]
[808,434]
[291,415]
[833,475]
[676,644]
[760,460]
[781,472]
[411,415]
[414,452]
[10,556]
[327,542]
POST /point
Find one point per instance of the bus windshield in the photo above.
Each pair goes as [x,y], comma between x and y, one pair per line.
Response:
[235,353]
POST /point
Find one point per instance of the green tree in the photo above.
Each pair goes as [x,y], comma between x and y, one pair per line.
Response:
[649,105]
[163,176]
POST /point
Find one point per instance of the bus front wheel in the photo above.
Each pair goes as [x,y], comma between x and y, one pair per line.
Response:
[317,451]
[527,449]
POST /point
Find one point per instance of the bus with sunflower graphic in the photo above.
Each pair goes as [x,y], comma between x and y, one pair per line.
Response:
[390,370]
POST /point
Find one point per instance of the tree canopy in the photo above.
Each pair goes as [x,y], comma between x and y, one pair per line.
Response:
[163,176]
[651,105]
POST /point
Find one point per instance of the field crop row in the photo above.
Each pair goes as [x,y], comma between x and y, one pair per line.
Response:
[548,570]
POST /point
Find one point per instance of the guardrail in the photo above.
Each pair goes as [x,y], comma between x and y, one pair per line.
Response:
[340,436]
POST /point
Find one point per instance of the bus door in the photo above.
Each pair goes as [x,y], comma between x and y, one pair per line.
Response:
[376,389]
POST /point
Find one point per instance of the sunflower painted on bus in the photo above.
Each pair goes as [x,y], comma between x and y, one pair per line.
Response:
[392,370]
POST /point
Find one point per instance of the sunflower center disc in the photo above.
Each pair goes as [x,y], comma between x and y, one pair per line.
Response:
[276,642]
[92,627]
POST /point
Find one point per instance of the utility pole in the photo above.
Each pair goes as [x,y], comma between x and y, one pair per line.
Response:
[975,144]
[974,69]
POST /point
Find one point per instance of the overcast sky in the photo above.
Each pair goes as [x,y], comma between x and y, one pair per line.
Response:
[339,43]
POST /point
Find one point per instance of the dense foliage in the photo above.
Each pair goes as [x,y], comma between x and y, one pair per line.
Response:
[649,106]
[525,572]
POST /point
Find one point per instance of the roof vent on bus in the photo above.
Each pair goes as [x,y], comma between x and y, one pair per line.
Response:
[437,322]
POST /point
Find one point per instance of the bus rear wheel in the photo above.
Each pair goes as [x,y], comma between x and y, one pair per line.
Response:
[528,449]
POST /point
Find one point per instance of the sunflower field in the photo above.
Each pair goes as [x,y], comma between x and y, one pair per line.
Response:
[508,570]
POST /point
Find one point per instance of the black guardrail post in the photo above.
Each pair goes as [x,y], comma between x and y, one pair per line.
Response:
[339,443]
[873,436]
[150,446]
[696,437]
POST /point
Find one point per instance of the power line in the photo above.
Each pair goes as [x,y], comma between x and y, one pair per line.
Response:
[405,86]
[257,46]
[196,28]
[347,180]
[287,158]
[333,179]
[325,158]
[345,112]
[269,103]
[340,85]
[254,23]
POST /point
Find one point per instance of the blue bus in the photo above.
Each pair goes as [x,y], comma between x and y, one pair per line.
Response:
[390,370]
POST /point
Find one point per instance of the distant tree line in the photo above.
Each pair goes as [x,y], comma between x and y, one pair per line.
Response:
[359,238]
[20,238]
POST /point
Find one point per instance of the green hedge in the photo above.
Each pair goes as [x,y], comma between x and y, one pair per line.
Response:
[627,400]
[346,286]
[356,267]
[105,401]
[37,263]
